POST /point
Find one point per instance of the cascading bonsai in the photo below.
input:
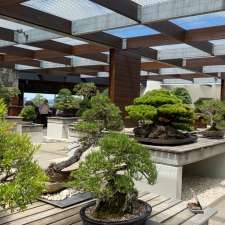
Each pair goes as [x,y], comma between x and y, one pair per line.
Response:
[28,113]
[87,91]
[66,104]
[163,118]
[109,174]
[214,110]
[21,179]
[101,116]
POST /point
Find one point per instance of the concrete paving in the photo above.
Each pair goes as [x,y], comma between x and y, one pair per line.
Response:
[219,218]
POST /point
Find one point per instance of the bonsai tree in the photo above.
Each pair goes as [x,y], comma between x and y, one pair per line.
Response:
[183,94]
[28,113]
[102,115]
[87,91]
[7,93]
[161,115]
[66,103]
[109,174]
[21,179]
[214,110]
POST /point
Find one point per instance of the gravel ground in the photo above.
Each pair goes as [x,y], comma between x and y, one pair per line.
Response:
[207,189]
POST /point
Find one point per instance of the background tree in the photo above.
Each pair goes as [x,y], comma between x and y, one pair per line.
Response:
[102,115]
[109,174]
[21,179]
[161,114]
[38,100]
[183,94]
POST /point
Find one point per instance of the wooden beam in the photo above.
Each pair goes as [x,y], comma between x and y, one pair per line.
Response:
[126,8]
[37,18]
[11,2]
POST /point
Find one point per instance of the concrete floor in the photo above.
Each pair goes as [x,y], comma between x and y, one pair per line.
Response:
[50,152]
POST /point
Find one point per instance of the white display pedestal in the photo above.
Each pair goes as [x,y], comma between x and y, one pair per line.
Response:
[58,128]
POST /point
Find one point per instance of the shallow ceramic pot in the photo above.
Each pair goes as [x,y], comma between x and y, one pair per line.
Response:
[140,220]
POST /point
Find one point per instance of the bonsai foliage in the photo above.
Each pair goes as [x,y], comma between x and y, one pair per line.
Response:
[38,100]
[7,93]
[87,91]
[214,110]
[103,115]
[109,174]
[65,101]
[28,113]
[3,108]
[161,108]
[21,179]
[183,94]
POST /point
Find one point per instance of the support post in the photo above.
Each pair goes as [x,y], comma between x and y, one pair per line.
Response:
[124,79]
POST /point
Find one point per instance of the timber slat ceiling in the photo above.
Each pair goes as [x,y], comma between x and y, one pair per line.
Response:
[43,54]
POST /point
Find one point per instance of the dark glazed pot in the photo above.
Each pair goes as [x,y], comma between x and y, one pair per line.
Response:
[136,221]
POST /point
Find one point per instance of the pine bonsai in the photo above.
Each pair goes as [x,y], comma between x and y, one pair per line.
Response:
[21,179]
[183,94]
[102,115]
[109,174]
[28,113]
[214,110]
[161,115]
[66,103]
[87,91]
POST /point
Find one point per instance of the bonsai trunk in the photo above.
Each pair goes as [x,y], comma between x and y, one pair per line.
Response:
[54,171]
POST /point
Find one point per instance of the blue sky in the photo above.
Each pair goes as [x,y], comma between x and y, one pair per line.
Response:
[193,22]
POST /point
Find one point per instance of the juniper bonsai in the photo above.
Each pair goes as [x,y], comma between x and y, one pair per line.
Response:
[21,179]
[28,113]
[109,174]
[161,114]
[7,93]
[102,115]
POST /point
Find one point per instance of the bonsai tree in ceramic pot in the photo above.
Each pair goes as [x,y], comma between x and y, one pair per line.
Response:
[28,113]
[66,104]
[109,174]
[7,93]
[163,118]
[183,94]
[215,111]
[21,179]
[101,116]
[87,91]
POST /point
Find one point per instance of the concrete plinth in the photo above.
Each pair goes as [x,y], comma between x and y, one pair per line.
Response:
[14,119]
[58,128]
[35,131]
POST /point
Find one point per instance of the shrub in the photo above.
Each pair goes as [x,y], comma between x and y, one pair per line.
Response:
[162,107]
[109,174]
[65,101]
[183,94]
[28,113]
[21,179]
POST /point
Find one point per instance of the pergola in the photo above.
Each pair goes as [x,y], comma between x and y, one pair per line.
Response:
[123,41]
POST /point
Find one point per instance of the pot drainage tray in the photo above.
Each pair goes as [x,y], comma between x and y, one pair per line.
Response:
[75,199]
